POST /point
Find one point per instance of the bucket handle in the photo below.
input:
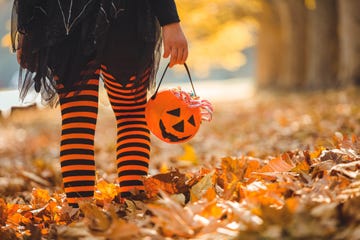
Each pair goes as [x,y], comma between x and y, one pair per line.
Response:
[162,77]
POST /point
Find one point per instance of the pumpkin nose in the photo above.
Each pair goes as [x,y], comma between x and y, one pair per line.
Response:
[179,126]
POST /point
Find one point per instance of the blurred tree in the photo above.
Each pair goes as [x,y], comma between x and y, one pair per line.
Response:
[349,32]
[282,35]
[301,44]
[304,40]
[309,44]
[322,46]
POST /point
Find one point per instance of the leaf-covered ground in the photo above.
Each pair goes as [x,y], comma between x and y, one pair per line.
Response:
[274,166]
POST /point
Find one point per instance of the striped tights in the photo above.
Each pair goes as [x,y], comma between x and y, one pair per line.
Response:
[79,108]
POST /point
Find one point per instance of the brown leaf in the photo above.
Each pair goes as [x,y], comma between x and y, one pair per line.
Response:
[3,212]
[171,183]
[172,219]
[95,218]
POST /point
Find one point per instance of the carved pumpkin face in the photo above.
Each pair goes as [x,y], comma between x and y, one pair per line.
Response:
[171,119]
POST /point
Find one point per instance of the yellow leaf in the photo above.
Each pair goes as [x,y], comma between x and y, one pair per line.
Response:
[317,152]
[200,188]
[189,155]
[106,191]
[163,168]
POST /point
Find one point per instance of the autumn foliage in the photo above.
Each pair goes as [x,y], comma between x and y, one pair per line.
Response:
[246,195]
[297,172]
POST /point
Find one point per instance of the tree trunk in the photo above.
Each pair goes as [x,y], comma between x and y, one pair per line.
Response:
[268,45]
[292,64]
[322,46]
[349,32]
[281,54]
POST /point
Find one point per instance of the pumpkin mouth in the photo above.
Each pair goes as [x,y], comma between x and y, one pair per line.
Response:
[170,136]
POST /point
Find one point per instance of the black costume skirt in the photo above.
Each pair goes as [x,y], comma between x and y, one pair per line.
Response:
[64,38]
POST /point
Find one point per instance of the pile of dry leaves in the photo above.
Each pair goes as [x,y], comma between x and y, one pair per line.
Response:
[312,192]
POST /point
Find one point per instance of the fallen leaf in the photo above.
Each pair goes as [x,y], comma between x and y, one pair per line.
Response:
[200,188]
[96,219]
[171,183]
[189,155]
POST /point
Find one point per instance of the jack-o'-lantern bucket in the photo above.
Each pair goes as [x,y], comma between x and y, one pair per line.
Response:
[174,115]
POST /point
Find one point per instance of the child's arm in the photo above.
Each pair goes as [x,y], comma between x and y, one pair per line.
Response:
[175,43]
[165,11]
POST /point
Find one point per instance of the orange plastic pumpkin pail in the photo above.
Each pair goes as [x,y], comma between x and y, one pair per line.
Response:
[173,115]
[172,119]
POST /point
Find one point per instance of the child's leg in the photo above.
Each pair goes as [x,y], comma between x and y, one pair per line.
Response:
[133,135]
[79,109]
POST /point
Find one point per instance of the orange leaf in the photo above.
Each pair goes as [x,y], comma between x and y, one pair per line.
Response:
[45,231]
[213,210]
[210,194]
[40,197]
[106,191]
[15,219]
[292,204]
[302,166]
[278,164]
[252,166]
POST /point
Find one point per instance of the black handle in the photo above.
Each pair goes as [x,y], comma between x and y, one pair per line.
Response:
[162,77]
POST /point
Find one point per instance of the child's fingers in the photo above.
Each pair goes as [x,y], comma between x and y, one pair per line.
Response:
[174,57]
[184,56]
[180,56]
[166,51]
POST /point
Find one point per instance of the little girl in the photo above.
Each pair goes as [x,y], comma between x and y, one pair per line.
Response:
[65,46]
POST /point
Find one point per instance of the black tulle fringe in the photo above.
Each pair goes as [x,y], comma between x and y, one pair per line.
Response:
[45,86]
[63,38]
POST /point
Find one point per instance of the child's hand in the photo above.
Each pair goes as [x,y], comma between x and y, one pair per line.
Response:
[175,44]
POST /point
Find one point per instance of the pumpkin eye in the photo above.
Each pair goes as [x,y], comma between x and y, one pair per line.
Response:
[175,112]
[191,120]
[179,126]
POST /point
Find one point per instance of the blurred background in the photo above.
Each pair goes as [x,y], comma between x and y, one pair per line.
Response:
[305,54]
[298,44]
[276,44]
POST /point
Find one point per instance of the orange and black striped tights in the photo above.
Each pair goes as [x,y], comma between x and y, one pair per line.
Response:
[79,108]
